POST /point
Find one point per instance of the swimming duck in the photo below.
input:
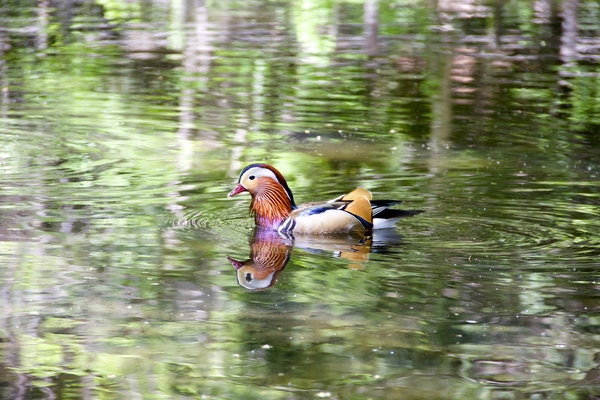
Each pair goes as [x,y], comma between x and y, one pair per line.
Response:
[273,206]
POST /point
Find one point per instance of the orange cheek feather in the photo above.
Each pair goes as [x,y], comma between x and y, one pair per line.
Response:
[270,203]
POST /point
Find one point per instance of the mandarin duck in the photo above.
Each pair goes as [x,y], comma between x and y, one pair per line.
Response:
[273,207]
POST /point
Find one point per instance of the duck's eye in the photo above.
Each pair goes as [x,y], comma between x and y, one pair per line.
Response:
[252,177]
[248,277]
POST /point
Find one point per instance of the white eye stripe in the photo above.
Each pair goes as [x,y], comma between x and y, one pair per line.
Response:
[257,172]
[251,174]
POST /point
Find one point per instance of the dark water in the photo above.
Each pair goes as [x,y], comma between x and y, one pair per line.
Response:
[124,125]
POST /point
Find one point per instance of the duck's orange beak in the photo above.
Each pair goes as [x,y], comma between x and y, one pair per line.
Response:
[237,190]
[236,264]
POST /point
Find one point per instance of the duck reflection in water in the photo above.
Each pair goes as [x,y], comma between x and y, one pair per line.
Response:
[270,252]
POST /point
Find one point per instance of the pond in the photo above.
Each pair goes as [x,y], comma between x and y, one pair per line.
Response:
[124,124]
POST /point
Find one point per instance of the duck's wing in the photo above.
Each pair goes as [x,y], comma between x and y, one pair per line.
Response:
[385,218]
[330,218]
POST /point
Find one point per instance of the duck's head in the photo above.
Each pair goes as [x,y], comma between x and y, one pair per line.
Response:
[251,277]
[256,178]
[269,255]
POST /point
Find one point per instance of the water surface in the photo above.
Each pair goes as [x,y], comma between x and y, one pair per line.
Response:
[125,124]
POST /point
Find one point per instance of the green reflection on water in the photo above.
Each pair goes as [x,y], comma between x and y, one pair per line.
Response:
[119,151]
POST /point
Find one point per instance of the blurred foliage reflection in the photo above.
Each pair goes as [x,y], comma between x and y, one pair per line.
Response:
[124,123]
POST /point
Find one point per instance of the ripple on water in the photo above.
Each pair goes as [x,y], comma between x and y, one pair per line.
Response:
[534,232]
[216,225]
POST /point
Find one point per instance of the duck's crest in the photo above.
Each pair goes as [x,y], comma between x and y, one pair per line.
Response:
[279,177]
